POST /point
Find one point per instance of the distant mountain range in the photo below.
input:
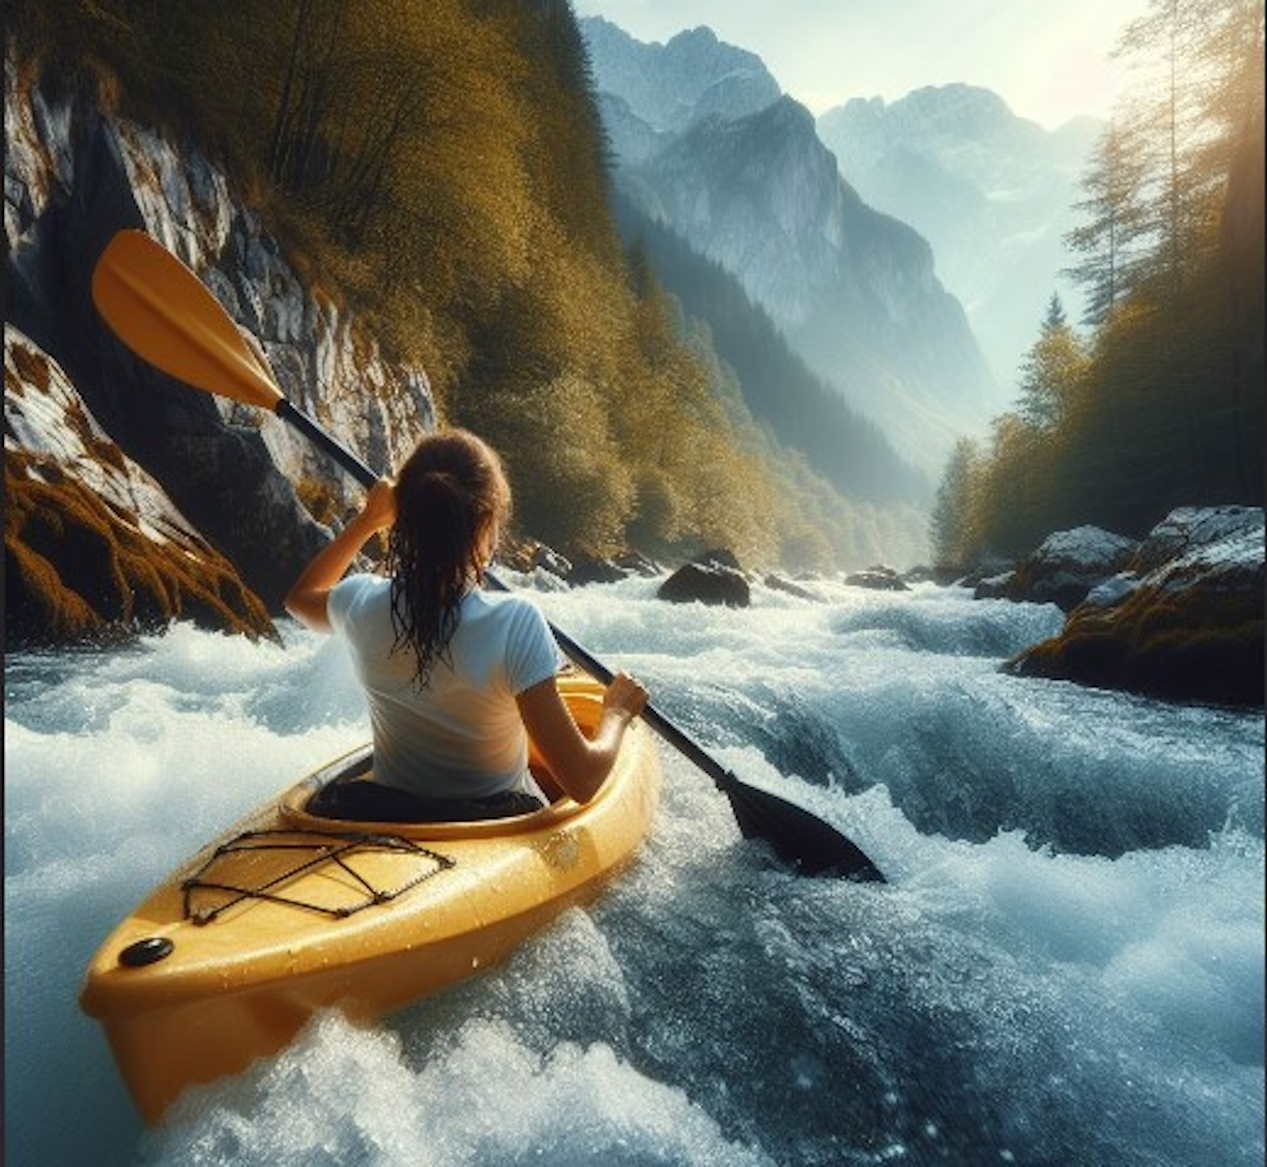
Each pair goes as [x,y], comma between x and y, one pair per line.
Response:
[705,143]
[991,192]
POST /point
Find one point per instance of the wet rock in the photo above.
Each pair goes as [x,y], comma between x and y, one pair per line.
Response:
[635,563]
[986,567]
[779,584]
[1069,564]
[710,583]
[588,570]
[879,578]
[547,559]
[995,587]
[921,573]
[719,557]
[93,545]
[1190,627]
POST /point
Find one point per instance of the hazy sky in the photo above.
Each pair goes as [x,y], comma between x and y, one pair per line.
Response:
[1049,61]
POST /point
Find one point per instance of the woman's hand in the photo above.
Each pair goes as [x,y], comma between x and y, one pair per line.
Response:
[625,695]
[379,511]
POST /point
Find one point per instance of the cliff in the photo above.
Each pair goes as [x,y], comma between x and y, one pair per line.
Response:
[244,487]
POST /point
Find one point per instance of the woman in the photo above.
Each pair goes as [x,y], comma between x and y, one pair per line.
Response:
[454,674]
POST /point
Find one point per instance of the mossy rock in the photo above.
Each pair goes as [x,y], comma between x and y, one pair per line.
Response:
[77,569]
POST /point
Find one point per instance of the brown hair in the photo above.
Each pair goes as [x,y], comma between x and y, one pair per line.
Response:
[451,486]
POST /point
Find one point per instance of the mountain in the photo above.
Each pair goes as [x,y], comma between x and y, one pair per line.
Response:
[853,289]
[670,86]
[991,192]
[746,182]
[779,390]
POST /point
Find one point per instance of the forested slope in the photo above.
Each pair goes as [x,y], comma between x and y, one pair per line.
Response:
[441,168]
[1160,403]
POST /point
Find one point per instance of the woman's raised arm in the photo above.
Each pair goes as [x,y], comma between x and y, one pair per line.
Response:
[306,600]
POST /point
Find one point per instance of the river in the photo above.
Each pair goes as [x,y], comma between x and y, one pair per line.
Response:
[1066,968]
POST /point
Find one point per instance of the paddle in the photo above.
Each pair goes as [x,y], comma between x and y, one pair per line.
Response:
[164,313]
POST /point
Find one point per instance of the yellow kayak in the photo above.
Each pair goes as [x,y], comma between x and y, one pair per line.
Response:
[288,913]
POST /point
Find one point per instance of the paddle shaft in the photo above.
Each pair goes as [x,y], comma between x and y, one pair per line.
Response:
[722,778]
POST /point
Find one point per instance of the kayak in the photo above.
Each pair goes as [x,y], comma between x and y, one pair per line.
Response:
[287,913]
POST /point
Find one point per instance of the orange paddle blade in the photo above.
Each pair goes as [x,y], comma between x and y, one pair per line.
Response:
[165,314]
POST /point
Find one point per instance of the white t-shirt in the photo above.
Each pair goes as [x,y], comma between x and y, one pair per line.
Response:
[461,736]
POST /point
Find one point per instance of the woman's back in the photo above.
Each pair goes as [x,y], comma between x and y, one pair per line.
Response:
[459,735]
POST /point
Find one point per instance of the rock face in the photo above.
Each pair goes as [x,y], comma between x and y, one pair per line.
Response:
[75,175]
[1186,622]
[93,546]
[1068,564]
[991,191]
[708,580]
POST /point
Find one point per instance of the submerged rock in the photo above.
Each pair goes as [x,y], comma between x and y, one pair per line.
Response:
[93,545]
[708,582]
[1186,623]
[588,570]
[779,584]
[995,587]
[635,563]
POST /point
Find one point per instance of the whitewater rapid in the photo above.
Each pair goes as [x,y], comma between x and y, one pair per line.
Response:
[1067,967]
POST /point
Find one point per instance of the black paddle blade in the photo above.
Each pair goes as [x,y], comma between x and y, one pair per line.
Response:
[798,837]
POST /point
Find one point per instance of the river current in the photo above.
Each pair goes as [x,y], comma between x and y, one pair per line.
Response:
[1066,968]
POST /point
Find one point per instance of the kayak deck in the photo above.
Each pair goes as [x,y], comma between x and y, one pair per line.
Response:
[288,913]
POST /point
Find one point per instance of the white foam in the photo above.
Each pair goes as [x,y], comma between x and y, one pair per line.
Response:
[998,998]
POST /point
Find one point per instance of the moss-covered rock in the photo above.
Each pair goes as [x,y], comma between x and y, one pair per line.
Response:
[1191,628]
[93,547]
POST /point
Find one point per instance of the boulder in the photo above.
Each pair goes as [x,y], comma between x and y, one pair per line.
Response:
[719,557]
[1069,564]
[547,559]
[710,583]
[879,578]
[587,570]
[922,573]
[779,584]
[1190,627]
[93,546]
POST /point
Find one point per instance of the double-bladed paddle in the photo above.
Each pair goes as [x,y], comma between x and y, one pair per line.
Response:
[165,314]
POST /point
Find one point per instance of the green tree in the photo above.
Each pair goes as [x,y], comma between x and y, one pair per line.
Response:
[954,526]
[1116,220]
[1051,371]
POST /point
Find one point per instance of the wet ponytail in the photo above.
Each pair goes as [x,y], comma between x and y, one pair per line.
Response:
[451,487]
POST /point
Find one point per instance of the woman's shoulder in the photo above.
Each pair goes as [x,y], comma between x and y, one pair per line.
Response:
[509,606]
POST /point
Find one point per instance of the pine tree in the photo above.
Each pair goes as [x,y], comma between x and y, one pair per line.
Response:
[953,528]
[1116,220]
[1051,371]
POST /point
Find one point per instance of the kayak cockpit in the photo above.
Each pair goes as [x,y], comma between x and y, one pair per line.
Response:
[304,805]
